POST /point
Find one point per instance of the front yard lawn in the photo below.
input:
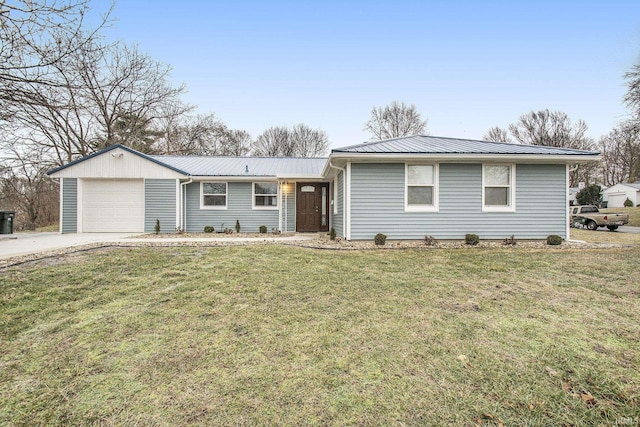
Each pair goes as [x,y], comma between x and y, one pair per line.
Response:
[273,335]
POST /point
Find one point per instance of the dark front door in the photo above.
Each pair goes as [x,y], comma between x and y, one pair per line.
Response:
[312,207]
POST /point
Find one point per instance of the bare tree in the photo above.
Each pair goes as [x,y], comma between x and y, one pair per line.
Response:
[632,97]
[555,129]
[299,141]
[36,35]
[273,142]
[621,154]
[395,120]
[235,142]
[497,134]
[25,188]
[552,129]
[101,96]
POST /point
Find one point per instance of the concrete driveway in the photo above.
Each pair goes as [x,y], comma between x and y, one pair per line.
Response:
[12,245]
[19,244]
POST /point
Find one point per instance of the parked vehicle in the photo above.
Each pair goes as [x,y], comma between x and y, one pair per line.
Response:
[590,217]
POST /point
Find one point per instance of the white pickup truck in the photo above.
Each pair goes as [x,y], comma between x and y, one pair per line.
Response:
[589,216]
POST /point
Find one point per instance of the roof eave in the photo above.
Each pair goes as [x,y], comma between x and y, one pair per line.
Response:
[465,157]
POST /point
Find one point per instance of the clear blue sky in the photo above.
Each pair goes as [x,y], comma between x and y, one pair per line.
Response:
[466,65]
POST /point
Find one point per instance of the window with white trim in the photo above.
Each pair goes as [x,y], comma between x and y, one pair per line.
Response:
[421,187]
[498,187]
[265,195]
[214,195]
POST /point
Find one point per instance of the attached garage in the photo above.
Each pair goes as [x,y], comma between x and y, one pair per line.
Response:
[118,190]
[112,205]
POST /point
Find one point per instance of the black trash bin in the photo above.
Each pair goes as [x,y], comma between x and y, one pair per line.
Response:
[6,222]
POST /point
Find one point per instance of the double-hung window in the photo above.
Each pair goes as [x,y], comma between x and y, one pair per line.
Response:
[214,195]
[498,188]
[265,195]
[421,189]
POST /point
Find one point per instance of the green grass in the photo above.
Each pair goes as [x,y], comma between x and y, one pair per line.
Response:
[270,335]
[634,214]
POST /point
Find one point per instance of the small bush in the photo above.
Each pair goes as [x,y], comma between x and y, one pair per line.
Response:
[380,239]
[510,241]
[237,225]
[430,241]
[554,240]
[157,227]
[628,203]
[471,239]
[228,231]
[332,234]
[263,229]
[208,229]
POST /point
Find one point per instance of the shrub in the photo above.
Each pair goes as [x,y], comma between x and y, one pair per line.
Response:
[228,231]
[554,240]
[430,241]
[628,203]
[589,195]
[471,239]
[332,234]
[263,229]
[510,241]
[208,229]
[157,227]
[237,225]
[380,239]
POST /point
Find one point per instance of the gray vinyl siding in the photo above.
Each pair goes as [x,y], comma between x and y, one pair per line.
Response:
[160,203]
[290,213]
[337,218]
[377,204]
[69,220]
[239,207]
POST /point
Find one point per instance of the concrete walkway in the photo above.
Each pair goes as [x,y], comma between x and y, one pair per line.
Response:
[19,244]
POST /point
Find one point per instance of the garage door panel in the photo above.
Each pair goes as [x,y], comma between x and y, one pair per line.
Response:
[115,205]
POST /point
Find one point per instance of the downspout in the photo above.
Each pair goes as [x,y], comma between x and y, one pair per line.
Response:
[183,201]
[344,198]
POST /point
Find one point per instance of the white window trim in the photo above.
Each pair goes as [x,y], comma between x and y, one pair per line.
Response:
[436,193]
[253,196]
[335,195]
[512,187]
[226,194]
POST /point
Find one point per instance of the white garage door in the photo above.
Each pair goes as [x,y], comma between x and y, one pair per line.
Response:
[616,200]
[112,205]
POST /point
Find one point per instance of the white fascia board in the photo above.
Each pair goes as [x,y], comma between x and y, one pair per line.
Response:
[463,158]
[308,177]
[232,178]
[258,178]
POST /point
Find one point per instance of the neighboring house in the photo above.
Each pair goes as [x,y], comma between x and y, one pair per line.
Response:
[616,195]
[405,188]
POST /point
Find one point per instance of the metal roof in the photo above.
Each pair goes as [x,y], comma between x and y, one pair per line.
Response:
[422,144]
[245,166]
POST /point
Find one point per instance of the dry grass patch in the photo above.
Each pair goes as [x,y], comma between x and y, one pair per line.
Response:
[265,335]
[605,236]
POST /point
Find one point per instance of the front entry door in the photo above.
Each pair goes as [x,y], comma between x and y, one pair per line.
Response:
[312,207]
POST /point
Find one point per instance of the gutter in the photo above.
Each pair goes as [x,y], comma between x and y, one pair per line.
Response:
[183,195]
[344,197]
